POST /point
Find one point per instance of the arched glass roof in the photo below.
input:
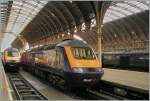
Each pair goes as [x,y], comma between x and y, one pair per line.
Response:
[21,13]
[123,20]
[122,9]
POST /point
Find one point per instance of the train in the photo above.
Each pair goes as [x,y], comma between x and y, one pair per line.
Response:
[126,61]
[70,62]
[11,59]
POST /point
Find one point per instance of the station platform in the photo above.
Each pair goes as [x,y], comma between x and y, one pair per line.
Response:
[5,91]
[48,91]
[129,78]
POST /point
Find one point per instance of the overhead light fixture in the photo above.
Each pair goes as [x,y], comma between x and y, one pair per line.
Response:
[58,37]
[93,22]
[83,26]
[133,32]
[68,33]
[75,29]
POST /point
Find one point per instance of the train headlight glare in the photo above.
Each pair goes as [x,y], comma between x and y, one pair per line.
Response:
[78,70]
[100,69]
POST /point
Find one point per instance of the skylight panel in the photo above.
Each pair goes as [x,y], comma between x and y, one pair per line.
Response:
[44,1]
[142,6]
[32,2]
[27,10]
[107,19]
[14,18]
[147,2]
[40,5]
[129,7]
[133,9]
[133,2]
[16,7]
[14,10]
[23,12]
[18,3]
[29,6]
[121,10]
[122,5]
[112,17]
[36,9]
[21,17]
[115,13]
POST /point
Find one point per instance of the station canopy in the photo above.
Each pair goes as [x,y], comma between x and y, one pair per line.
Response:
[125,23]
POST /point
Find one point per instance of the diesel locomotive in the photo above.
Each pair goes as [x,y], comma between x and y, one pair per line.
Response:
[71,61]
[11,59]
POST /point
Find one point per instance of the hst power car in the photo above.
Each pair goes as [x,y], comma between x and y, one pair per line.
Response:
[71,61]
[11,59]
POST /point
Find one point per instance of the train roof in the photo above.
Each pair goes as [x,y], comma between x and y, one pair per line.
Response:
[45,47]
[73,43]
[68,42]
[11,49]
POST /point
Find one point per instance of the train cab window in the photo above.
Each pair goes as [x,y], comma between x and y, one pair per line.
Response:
[83,53]
[13,53]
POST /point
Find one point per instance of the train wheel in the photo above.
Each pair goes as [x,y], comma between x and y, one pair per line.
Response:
[50,80]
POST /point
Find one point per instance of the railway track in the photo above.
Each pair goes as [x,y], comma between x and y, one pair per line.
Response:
[23,89]
[119,91]
[105,90]
[113,92]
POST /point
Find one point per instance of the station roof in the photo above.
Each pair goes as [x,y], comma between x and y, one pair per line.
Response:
[124,22]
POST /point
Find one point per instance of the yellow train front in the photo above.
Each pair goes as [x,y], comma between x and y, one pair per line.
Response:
[82,67]
[71,60]
[11,59]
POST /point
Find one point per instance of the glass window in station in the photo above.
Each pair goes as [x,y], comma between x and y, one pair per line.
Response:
[13,53]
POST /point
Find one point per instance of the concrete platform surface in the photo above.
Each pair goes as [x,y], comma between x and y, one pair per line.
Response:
[5,92]
[48,91]
[129,78]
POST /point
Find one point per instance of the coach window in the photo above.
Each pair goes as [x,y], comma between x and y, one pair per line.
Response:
[52,57]
[60,59]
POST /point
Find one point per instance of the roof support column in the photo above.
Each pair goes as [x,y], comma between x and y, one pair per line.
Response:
[101,8]
[99,30]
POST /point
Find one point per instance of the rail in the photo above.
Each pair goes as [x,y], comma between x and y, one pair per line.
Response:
[121,91]
[23,89]
[104,90]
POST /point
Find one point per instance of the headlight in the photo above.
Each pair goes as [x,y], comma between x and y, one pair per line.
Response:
[100,70]
[77,70]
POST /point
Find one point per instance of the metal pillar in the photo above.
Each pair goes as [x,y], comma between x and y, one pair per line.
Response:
[99,30]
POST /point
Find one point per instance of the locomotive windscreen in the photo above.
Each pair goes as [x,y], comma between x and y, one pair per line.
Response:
[83,53]
[13,53]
